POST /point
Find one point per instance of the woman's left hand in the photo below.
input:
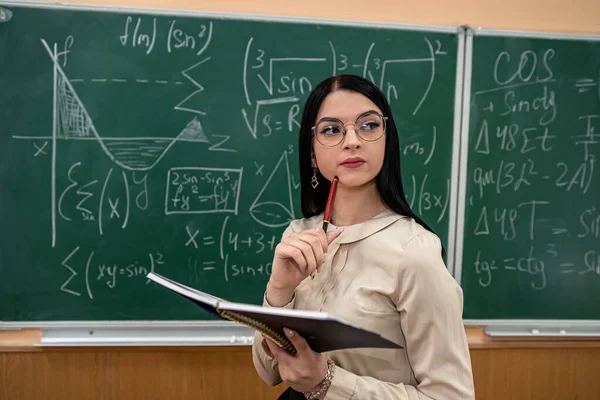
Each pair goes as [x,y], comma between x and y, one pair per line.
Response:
[303,371]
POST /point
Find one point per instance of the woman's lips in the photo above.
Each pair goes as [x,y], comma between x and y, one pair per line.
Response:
[353,164]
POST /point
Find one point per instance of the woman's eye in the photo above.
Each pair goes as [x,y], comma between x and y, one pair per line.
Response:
[370,126]
[330,130]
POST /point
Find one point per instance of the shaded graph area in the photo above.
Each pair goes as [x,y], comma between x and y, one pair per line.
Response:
[137,154]
[193,132]
[72,121]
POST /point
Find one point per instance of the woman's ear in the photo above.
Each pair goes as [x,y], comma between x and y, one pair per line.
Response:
[313,160]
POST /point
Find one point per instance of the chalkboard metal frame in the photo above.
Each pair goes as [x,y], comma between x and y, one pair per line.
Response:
[211,333]
[159,333]
[506,327]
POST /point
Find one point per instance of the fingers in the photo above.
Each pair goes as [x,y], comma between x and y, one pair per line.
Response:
[307,252]
[316,250]
[332,235]
[308,248]
[278,352]
[320,234]
[271,346]
[298,341]
[286,250]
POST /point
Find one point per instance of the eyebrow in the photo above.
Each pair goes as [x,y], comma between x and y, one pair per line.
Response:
[360,116]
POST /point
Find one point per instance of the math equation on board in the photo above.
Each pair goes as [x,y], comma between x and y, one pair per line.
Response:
[534,184]
[205,198]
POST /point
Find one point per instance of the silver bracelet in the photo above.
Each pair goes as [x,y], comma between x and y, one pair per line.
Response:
[322,387]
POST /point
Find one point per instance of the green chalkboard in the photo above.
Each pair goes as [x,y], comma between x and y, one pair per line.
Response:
[132,142]
[531,247]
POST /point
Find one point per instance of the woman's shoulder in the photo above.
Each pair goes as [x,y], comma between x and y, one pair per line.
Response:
[417,250]
[406,231]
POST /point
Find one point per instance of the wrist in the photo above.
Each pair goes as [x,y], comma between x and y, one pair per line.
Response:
[277,297]
[321,389]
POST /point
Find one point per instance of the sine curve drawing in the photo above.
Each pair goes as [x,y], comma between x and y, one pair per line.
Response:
[134,154]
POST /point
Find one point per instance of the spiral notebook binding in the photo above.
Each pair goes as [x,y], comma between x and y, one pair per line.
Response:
[252,323]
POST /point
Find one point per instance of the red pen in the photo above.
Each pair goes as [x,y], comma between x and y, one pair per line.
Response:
[329,206]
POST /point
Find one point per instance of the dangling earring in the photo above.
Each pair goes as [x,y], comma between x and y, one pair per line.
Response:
[314,181]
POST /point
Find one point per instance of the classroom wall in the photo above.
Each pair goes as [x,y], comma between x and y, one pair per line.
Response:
[578,16]
[528,370]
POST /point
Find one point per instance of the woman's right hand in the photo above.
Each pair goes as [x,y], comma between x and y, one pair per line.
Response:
[296,257]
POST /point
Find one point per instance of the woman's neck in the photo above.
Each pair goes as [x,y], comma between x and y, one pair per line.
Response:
[355,205]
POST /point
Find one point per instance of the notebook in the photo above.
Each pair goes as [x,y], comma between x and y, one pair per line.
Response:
[322,331]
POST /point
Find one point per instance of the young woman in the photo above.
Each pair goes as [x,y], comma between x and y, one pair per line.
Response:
[379,266]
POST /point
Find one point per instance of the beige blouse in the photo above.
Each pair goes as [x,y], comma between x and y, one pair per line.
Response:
[387,275]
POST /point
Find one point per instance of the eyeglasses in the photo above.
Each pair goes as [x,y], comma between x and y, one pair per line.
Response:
[331,131]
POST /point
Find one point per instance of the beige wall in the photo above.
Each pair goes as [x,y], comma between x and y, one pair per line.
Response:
[577,16]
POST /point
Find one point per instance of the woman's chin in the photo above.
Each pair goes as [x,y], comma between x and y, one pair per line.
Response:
[355,180]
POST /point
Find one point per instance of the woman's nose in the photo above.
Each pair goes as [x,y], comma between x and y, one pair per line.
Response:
[351,139]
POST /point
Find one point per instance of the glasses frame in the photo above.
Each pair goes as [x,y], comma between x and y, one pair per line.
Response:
[356,130]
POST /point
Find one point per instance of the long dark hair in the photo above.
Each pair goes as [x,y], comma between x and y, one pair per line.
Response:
[389,179]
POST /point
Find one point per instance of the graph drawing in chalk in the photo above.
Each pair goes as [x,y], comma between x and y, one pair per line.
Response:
[73,122]
[269,212]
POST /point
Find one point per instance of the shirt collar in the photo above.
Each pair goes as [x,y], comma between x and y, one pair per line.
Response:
[356,232]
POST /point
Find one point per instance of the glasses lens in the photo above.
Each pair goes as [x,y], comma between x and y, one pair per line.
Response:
[329,133]
[370,127]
